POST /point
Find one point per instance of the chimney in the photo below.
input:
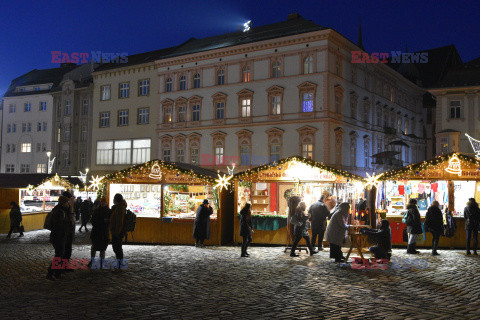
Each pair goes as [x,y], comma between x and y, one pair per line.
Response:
[293,16]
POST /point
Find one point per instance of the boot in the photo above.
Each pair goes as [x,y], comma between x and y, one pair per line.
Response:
[410,249]
[415,251]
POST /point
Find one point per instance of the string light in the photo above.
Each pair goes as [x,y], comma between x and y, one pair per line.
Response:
[95,183]
[222,182]
[372,180]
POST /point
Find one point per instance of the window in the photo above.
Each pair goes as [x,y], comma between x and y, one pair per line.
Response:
[124,90]
[44,147]
[275,148]
[307,102]
[307,149]
[24,127]
[169,85]
[444,145]
[275,104]
[104,152]
[66,159]
[196,81]
[83,133]
[36,89]
[455,107]
[196,112]
[246,106]
[167,117]
[220,77]
[26,147]
[68,107]
[9,128]
[339,145]
[245,153]
[84,107]
[183,83]
[14,127]
[41,168]
[123,118]
[180,153]
[8,148]
[166,152]
[353,150]
[25,168]
[379,116]
[143,116]
[39,126]
[353,106]
[13,148]
[220,110]
[104,119]
[59,110]
[39,147]
[194,153]
[105,92]
[28,107]
[141,151]
[122,152]
[66,136]
[59,132]
[11,108]
[219,153]
[10,168]
[246,74]
[83,160]
[181,113]
[276,70]
[144,87]
[29,127]
[44,126]
[43,106]
[308,65]
[338,66]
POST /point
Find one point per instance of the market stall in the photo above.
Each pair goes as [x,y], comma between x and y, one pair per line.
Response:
[36,195]
[449,179]
[270,188]
[165,197]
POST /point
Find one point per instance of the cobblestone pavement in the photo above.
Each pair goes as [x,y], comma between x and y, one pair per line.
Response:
[183,282]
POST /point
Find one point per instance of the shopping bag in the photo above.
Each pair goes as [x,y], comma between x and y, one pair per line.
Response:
[422,236]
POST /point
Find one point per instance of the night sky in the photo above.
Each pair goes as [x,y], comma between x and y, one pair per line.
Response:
[30,30]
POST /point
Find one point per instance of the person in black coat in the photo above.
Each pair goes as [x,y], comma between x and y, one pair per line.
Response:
[100,235]
[434,224]
[71,228]
[318,217]
[58,236]
[414,225]
[201,226]
[76,208]
[301,230]
[246,228]
[86,210]
[383,237]
[472,220]
[15,219]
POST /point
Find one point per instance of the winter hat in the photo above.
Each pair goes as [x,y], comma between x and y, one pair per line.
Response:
[205,201]
[62,200]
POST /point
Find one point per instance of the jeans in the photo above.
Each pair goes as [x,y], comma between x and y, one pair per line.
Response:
[412,239]
[320,235]
[474,233]
[117,246]
[246,241]
[435,239]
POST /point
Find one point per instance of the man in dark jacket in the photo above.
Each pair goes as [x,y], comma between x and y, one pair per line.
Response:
[201,226]
[383,237]
[76,208]
[246,228]
[15,219]
[472,220]
[60,225]
[414,225]
[318,217]
[71,229]
[86,210]
[434,224]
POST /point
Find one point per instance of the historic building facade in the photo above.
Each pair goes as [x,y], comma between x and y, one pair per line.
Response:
[299,94]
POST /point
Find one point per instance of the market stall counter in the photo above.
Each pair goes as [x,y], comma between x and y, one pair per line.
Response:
[272,188]
[450,179]
[165,196]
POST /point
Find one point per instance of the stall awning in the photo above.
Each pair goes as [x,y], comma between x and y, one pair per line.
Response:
[23,180]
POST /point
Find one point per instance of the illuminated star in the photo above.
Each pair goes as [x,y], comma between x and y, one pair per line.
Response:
[95,182]
[372,180]
[222,182]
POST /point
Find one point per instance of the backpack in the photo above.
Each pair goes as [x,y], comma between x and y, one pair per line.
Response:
[48,221]
[130,221]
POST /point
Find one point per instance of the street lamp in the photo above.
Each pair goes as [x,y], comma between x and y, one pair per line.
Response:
[48,164]
[86,179]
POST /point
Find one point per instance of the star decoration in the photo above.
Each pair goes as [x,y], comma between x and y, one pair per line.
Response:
[372,180]
[222,181]
[95,182]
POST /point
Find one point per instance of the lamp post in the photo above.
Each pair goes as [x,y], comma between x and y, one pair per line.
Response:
[86,179]
[49,169]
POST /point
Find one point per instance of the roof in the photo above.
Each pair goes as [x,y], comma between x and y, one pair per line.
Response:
[467,74]
[36,76]
[23,180]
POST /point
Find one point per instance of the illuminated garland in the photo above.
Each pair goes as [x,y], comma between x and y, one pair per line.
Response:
[61,181]
[422,169]
[254,171]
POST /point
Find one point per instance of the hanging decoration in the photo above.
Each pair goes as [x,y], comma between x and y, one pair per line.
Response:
[230,171]
[155,172]
[222,182]
[372,180]
[83,176]
[454,165]
[95,183]
[475,145]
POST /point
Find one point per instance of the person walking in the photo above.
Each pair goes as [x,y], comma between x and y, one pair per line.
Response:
[318,217]
[15,219]
[472,220]
[71,230]
[117,227]
[434,224]
[201,225]
[335,234]
[246,228]
[301,230]
[76,208]
[60,225]
[86,212]
[383,237]
[414,226]
[100,235]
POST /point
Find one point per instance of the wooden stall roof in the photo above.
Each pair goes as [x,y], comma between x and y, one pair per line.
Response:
[312,163]
[23,180]
[145,170]
[466,168]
